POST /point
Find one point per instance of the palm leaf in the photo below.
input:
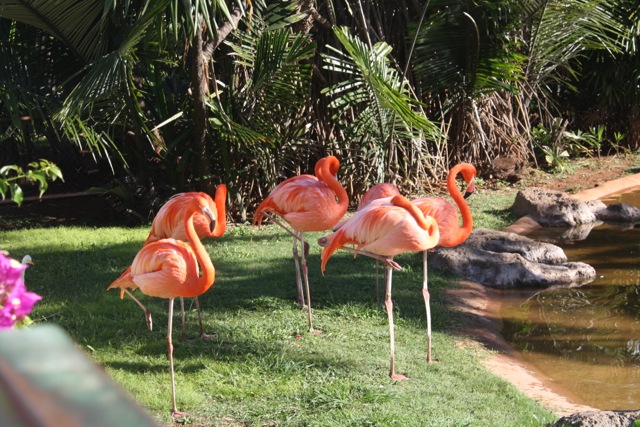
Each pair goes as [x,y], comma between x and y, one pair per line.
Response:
[375,90]
[77,24]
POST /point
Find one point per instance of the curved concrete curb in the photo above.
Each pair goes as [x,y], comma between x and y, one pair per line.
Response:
[619,185]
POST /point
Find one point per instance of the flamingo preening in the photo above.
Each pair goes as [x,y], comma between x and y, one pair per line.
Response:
[451,233]
[382,230]
[169,223]
[306,203]
[374,195]
[169,268]
[377,192]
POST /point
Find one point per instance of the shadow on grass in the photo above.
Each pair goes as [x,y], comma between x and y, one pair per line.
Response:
[255,276]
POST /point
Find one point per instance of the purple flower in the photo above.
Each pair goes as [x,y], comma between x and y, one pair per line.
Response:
[16,302]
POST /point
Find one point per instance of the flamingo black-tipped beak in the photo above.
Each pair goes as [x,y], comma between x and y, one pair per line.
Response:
[212,218]
[470,190]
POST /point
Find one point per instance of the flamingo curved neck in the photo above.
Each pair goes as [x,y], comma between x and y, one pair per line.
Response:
[461,233]
[404,203]
[203,258]
[324,174]
[220,202]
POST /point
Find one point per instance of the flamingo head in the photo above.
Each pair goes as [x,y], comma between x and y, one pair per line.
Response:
[329,164]
[469,175]
[202,204]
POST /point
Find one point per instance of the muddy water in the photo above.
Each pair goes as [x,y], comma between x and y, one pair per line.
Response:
[586,339]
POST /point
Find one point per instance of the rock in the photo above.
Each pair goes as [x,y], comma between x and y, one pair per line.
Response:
[555,208]
[599,419]
[619,212]
[507,260]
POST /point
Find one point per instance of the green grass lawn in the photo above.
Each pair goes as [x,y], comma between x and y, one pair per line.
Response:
[263,367]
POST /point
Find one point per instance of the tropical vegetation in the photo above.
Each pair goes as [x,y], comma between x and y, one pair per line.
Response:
[155,97]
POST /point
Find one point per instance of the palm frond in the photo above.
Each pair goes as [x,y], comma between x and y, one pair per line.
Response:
[77,24]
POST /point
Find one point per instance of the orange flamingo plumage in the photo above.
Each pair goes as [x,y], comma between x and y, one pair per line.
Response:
[306,203]
[451,233]
[375,195]
[169,223]
[169,268]
[378,191]
[382,230]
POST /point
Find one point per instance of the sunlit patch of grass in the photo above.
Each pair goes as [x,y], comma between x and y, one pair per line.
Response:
[263,367]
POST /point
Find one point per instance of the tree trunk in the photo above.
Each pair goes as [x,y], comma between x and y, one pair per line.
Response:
[199,88]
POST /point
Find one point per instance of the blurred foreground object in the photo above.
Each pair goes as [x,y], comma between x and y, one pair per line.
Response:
[46,381]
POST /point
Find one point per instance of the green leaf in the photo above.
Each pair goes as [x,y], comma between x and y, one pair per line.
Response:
[16,193]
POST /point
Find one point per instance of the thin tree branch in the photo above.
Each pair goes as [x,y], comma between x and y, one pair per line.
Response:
[224,31]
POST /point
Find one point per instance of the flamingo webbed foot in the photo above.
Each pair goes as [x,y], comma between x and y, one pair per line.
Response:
[391,263]
[177,414]
[316,331]
[398,377]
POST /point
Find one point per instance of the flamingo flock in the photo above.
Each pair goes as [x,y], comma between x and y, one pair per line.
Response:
[173,262]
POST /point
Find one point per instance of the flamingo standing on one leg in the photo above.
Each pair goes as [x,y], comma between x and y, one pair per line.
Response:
[381,231]
[169,223]
[306,203]
[168,268]
[451,233]
[375,194]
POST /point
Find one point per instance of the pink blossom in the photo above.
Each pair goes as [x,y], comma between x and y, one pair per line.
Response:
[16,302]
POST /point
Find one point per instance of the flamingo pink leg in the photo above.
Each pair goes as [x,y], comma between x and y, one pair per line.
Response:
[202,334]
[147,313]
[304,296]
[174,410]
[297,237]
[385,260]
[183,334]
[389,305]
[296,259]
[427,304]
[305,272]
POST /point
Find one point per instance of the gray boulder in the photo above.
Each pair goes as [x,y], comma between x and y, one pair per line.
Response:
[507,260]
[599,419]
[620,212]
[555,208]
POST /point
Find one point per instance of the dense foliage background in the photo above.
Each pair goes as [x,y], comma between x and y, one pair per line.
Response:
[142,99]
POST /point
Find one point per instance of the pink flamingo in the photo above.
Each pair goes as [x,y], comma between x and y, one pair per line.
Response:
[169,268]
[451,233]
[375,194]
[169,223]
[306,203]
[381,231]
[378,191]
